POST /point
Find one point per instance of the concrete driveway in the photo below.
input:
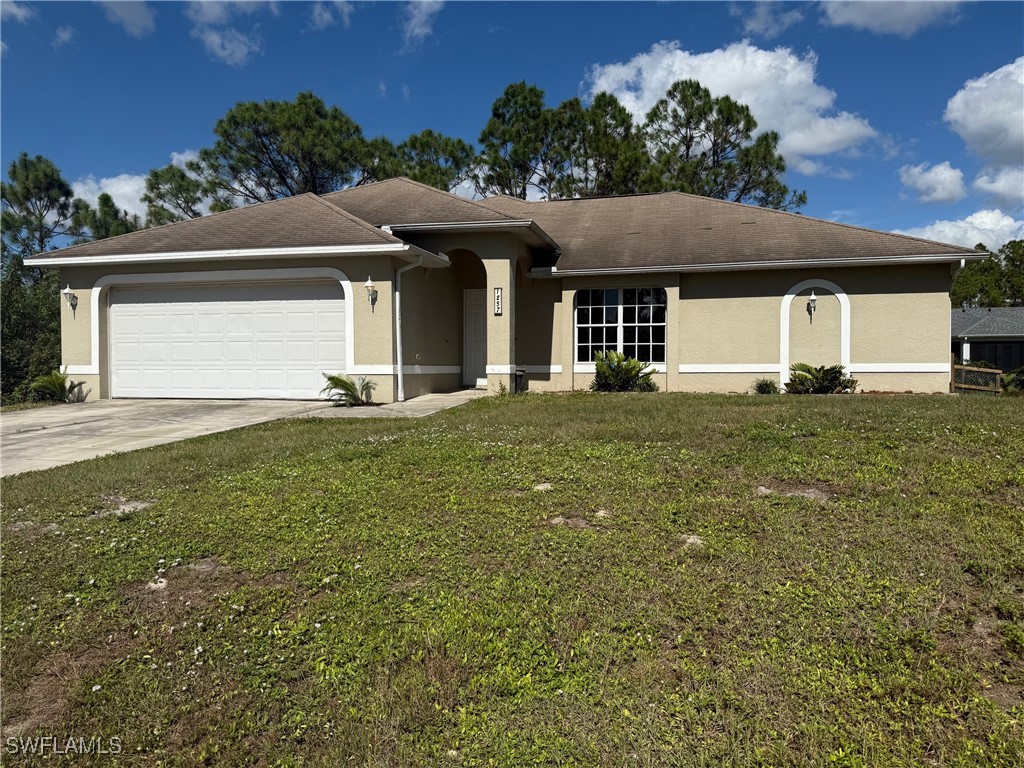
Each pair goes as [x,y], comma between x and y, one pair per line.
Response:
[40,438]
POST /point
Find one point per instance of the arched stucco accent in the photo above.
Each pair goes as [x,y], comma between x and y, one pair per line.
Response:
[844,322]
[230,275]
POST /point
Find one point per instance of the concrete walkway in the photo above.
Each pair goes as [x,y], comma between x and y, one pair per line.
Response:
[40,438]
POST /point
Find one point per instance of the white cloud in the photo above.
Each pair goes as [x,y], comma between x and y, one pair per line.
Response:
[63,36]
[14,11]
[181,158]
[988,114]
[768,19]
[229,45]
[221,11]
[137,18]
[125,188]
[940,183]
[778,85]
[991,227]
[888,18]
[1005,185]
[406,91]
[321,16]
[382,89]
[3,48]
[418,21]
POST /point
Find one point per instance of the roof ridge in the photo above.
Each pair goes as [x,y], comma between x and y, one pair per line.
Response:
[427,187]
[337,209]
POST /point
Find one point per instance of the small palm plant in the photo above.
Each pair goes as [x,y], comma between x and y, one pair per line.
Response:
[56,386]
[806,379]
[344,391]
[618,373]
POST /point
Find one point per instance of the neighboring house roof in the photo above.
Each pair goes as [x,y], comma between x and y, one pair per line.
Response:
[676,230]
[299,222]
[988,322]
[404,201]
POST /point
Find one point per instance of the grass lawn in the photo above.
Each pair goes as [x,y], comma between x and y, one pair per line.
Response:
[708,580]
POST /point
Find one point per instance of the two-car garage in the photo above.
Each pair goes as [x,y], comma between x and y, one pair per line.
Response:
[267,339]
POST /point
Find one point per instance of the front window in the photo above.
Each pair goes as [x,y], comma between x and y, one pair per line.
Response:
[628,320]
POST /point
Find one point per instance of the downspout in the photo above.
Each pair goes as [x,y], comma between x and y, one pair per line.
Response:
[398,324]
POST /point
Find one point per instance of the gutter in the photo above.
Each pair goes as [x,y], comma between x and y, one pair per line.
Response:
[402,250]
[750,265]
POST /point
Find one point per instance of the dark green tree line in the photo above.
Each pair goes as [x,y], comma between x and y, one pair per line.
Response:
[997,281]
[38,212]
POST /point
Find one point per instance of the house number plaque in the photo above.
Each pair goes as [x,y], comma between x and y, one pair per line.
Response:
[497,301]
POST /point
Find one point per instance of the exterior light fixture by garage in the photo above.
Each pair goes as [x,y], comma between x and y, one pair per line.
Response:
[812,304]
[72,299]
[371,292]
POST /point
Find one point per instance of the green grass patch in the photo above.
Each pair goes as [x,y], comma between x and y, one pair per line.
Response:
[708,581]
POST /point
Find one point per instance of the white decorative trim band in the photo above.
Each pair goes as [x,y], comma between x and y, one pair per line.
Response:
[591,368]
[898,368]
[391,370]
[844,322]
[729,368]
[499,369]
[543,368]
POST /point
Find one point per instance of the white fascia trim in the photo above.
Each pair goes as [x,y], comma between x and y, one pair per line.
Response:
[735,266]
[729,368]
[233,254]
[591,368]
[232,275]
[844,322]
[899,368]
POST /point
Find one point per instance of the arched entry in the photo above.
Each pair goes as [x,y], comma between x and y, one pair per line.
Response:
[821,338]
[471,278]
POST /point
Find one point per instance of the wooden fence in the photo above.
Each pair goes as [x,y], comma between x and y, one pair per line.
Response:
[967,379]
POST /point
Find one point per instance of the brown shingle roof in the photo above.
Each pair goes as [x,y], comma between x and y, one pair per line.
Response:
[291,222]
[674,230]
[404,201]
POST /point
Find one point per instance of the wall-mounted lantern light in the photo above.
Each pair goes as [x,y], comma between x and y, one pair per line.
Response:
[72,299]
[812,304]
[371,292]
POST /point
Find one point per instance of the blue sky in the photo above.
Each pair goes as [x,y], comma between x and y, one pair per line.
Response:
[903,116]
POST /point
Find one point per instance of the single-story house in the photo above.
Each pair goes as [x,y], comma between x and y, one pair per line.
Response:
[423,291]
[992,334]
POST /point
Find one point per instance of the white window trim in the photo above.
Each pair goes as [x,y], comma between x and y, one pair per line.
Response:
[232,275]
[579,367]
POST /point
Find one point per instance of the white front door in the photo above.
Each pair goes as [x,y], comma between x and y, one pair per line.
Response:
[232,340]
[474,336]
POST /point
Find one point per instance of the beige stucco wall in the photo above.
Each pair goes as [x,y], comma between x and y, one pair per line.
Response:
[717,321]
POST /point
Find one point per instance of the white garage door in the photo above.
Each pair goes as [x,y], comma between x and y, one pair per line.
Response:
[260,340]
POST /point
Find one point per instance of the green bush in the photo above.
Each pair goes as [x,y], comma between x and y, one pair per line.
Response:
[766,386]
[618,373]
[344,391]
[806,379]
[56,386]
[1014,380]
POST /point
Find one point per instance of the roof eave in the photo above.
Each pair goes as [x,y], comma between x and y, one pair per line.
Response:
[477,226]
[736,266]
